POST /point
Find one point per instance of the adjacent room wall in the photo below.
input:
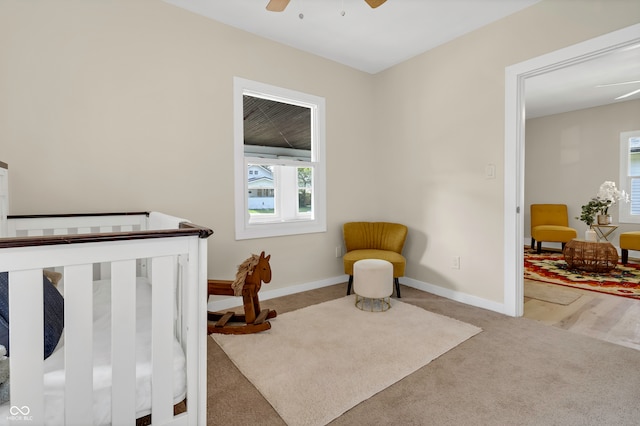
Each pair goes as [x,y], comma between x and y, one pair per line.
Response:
[128,106]
[568,156]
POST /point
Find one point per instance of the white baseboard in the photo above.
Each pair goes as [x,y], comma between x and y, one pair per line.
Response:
[220,303]
[558,246]
[465,298]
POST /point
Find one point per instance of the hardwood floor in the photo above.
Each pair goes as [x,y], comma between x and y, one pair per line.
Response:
[602,316]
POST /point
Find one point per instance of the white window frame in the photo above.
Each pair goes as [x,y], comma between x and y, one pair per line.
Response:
[304,215]
[245,226]
[624,209]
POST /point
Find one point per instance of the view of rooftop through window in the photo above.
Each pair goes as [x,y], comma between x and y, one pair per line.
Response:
[276,130]
[279,151]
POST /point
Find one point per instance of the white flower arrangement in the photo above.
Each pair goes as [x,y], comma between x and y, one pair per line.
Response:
[608,194]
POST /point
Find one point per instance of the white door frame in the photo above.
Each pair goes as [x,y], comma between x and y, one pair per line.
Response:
[515,76]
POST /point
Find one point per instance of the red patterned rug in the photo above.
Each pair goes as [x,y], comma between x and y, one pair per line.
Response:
[550,267]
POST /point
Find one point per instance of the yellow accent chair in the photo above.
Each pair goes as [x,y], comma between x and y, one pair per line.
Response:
[374,240]
[629,241]
[550,223]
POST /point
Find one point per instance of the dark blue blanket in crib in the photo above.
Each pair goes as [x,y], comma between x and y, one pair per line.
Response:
[53,314]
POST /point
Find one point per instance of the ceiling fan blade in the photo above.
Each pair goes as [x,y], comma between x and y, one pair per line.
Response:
[277,5]
[628,94]
[375,3]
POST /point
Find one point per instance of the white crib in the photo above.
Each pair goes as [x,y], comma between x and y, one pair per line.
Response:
[116,255]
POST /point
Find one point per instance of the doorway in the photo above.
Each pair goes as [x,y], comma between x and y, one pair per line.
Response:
[515,78]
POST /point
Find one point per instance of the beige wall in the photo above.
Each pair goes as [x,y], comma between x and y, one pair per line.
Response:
[128,105]
[444,122]
[569,155]
[120,106]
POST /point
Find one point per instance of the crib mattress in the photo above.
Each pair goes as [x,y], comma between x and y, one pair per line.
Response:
[54,365]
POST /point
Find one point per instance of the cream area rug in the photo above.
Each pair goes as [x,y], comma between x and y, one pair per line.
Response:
[318,362]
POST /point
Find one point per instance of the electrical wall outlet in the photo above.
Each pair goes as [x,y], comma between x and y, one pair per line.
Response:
[455,262]
[338,251]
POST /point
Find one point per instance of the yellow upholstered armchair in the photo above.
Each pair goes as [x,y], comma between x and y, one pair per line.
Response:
[550,223]
[374,240]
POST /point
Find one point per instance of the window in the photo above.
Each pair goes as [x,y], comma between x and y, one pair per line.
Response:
[279,151]
[630,175]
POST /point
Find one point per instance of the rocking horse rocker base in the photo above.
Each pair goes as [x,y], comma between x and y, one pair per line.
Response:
[254,319]
[232,323]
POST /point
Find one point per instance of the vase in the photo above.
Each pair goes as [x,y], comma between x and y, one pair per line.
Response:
[590,235]
[604,219]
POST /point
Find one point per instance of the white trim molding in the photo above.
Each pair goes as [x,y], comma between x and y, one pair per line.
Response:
[220,303]
[515,77]
[245,227]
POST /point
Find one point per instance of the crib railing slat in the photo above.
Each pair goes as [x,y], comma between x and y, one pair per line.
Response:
[123,338]
[26,346]
[163,273]
[78,294]
[27,373]
[194,287]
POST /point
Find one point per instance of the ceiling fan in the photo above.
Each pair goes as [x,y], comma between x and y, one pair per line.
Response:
[280,5]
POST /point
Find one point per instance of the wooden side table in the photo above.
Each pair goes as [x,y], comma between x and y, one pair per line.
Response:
[603,231]
[591,256]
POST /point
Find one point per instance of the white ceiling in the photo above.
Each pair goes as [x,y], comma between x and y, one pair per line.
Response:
[372,40]
[367,39]
[576,87]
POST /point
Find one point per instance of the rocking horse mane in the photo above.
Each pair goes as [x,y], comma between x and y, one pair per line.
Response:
[245,268]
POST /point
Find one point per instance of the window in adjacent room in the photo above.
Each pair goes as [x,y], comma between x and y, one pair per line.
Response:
[279,161]
[630,175]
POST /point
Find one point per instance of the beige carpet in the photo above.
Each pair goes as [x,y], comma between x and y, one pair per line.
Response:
[318,362]
[549,293]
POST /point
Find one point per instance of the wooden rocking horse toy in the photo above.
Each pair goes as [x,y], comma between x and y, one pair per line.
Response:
[251,273]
